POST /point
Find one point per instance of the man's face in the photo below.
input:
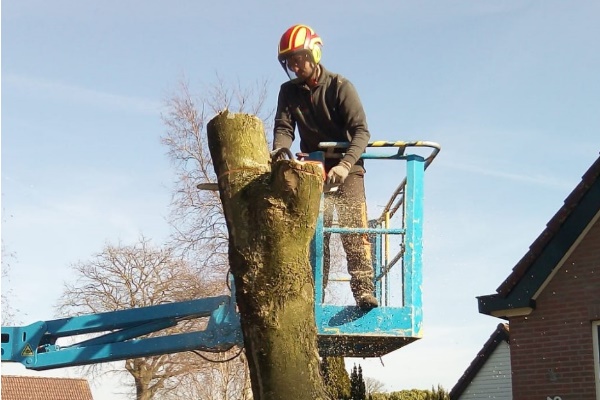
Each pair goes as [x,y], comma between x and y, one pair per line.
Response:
[301,65]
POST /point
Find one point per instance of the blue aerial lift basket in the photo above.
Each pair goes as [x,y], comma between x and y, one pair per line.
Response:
[349,331]
[343,330]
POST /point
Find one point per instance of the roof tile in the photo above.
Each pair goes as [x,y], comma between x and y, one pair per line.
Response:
[42,388]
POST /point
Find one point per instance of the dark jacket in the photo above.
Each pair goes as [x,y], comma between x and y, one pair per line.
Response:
[329,112]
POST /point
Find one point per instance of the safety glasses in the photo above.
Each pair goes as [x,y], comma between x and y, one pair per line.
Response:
[296,61]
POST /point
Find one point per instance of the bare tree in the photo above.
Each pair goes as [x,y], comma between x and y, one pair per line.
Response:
[224,378]
[373,385]
[124,277]
[200,233]
[197,215]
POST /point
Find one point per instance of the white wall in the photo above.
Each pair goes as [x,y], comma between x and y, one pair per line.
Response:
[494,379]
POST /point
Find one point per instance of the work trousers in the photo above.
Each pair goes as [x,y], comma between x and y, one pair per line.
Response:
[349,202]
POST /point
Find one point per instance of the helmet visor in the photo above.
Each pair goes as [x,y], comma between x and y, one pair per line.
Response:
[296,60]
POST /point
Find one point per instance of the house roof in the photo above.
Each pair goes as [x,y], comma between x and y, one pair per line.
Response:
[545,253]
[38,388]
[499,335]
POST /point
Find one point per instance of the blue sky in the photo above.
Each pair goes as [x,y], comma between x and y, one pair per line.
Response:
[510,89]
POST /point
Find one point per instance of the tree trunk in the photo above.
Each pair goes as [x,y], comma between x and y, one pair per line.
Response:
[271,215]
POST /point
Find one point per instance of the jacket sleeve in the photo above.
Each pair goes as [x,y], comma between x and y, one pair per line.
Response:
[283,129]
[352,112]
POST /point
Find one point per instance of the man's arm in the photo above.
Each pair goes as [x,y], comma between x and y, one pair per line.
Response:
[283,130]
[353,114]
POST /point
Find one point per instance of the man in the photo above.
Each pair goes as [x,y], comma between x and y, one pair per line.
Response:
[326,108]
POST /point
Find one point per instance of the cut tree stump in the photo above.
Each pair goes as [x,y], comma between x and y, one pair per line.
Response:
[271,212]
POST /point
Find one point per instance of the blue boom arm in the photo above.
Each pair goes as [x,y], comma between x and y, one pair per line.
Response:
[35,345]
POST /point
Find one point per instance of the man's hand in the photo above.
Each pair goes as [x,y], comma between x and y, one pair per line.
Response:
[339,173]
[280,154]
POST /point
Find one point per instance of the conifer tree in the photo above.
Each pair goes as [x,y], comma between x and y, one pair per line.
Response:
[362,391]
[357,384]
[336,377]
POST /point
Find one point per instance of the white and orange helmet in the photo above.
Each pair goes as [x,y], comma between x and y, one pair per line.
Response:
[299,39]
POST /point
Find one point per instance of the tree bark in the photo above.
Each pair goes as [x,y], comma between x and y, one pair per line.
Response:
[271,213]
